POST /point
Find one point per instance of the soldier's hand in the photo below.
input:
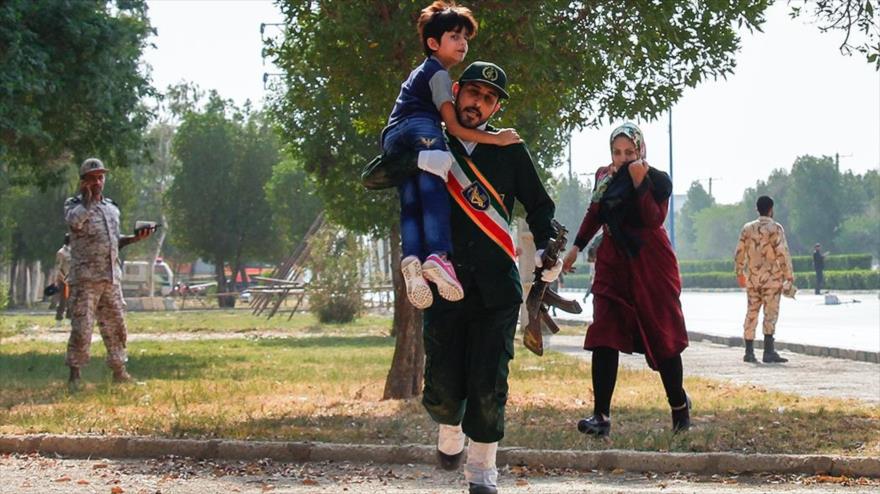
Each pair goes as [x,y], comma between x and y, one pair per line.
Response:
[741,280]
[142,233]
[86,192]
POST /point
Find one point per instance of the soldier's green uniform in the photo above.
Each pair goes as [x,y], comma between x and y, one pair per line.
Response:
[469,343]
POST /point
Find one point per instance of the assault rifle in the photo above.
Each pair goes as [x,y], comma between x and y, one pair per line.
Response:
[541,297]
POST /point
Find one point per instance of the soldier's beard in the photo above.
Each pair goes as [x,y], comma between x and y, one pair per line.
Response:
[470,117]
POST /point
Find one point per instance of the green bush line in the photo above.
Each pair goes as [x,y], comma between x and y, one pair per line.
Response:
[844,262]
[862,279]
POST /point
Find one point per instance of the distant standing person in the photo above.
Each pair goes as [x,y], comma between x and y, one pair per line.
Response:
[95,273]
[819,266]
[62,270]
[762,264]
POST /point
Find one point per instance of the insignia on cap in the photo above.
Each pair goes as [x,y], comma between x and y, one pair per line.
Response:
[490,73]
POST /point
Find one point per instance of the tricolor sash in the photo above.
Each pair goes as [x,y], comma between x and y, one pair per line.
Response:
[480,202]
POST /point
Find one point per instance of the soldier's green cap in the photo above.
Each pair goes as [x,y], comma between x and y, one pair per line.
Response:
[91,165]
[487,73]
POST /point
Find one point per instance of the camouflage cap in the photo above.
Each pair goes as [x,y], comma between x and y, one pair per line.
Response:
[487,73]
[91,165]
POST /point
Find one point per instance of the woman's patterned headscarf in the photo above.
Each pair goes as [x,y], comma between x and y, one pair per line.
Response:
[634,133]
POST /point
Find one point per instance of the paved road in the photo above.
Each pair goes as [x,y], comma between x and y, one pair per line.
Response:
[806,319]
[803,374]
[36,474]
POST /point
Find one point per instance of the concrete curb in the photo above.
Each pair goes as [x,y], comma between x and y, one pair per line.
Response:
[634,461]
[737,342]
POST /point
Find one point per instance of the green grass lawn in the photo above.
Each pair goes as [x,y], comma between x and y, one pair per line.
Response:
[203,321]
[324,383]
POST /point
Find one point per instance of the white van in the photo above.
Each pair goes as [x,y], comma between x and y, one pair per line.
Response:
[136,281]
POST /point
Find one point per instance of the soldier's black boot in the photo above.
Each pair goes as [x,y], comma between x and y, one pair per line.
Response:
[449,462]
[482,489]
[73,382]
[121,376]
[750,352]
[770,355]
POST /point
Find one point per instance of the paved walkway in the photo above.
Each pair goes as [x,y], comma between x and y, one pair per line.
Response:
[37,474]
[803,374]
[805,320]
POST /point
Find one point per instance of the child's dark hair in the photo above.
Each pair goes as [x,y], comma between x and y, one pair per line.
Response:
[441,17]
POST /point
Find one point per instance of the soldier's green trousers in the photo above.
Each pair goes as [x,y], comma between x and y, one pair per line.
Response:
[467,349]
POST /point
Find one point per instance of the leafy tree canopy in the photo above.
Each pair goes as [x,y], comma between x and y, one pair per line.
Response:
[569,65]
[218,204]
[858,20]
[70,84]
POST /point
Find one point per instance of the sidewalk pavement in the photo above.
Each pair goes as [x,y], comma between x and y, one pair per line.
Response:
[802,374]
[39,474]
[299,452]
[805,325]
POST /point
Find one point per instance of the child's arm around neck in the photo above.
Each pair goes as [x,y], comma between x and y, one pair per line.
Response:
[503,137]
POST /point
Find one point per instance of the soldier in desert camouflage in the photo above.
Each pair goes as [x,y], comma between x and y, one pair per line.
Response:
[762,265]
[95,273]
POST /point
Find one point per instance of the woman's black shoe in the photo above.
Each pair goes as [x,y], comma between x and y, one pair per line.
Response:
[681,418]
[595,426]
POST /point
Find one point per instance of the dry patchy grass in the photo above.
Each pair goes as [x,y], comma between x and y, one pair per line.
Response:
[328,388]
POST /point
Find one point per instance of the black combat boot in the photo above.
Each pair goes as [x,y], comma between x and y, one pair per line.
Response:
[482,489]
[770,355]
[449,462]
[750,352]
[74,383]
[121,376]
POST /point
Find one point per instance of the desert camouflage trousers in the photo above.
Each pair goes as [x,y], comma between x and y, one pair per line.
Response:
[101,302]
[768,297]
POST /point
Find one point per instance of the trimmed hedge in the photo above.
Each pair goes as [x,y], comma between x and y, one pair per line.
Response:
[845,262]
[863,279]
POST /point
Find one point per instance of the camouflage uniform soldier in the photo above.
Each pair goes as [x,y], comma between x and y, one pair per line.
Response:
[62,271]
[95,273]
[762,252]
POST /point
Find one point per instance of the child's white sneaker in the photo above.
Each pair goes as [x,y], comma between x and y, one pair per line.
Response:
[440,271]
[417,290]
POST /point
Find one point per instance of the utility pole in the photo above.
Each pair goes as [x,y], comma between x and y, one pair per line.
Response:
[710,179]
[570,175]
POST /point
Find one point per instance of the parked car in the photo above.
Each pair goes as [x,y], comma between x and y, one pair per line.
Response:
[136,280]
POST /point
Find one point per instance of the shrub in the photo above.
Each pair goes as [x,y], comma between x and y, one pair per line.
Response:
[864,279]
[4,296]
[844,262]
[334,293]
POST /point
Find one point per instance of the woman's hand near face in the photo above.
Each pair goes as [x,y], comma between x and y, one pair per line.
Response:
[569,260]
[637,171]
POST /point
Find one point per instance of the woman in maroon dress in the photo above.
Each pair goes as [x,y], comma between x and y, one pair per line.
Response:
[636,288]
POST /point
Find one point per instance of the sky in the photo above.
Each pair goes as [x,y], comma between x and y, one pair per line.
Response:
[792,94]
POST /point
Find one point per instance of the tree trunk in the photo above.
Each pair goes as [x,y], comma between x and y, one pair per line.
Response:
[408,365]
[222,286]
